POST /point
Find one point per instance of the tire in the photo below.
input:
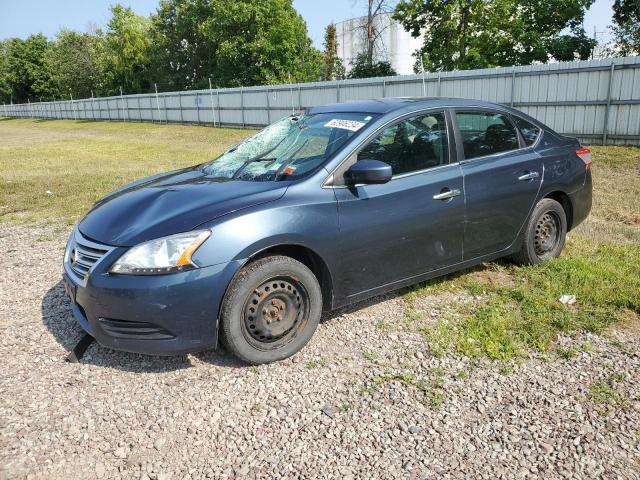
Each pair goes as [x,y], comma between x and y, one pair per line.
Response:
[544,234]
[270,311]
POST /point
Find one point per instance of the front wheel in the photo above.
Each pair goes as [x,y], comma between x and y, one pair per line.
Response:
[271,309]
[544,234]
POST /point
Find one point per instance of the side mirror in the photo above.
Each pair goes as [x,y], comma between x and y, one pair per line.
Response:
[368,172]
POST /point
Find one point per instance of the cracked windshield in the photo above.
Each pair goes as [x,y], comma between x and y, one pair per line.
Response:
[289,148]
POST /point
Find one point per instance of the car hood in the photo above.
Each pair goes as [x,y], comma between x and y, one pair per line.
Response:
[171,203]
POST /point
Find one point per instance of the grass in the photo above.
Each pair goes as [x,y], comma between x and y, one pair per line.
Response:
[606,393]
[525,312]
[431,387]
[318,363]
[53,170]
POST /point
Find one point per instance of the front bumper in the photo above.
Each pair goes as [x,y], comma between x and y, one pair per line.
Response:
[160,314]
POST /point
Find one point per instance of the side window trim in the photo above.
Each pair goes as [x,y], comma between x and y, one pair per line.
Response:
[333,182]
[538,137]
[458,135]
[521,142]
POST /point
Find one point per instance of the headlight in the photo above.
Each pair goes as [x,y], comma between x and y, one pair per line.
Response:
[163,255]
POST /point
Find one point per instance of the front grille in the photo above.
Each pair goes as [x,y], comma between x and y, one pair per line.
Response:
[129,329]
[84,254]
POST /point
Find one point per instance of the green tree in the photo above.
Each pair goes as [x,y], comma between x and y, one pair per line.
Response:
[465,34]
[73,61]
[361,67]
[235,42]
[26,73]
[126,57]
[333,66]
[626,26]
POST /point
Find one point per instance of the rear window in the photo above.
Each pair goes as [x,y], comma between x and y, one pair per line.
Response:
[528,130]
[486,133]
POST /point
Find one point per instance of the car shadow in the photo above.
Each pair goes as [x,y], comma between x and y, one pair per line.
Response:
[58,318]
[333,314]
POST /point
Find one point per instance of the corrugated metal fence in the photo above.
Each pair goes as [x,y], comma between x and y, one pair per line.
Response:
[597,101]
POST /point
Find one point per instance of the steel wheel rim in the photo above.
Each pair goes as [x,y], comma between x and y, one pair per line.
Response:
[547,234]
[275,313]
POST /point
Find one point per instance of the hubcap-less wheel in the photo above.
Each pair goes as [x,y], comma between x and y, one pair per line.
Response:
[544,233]
[270,310]
[547,234]
[275,312]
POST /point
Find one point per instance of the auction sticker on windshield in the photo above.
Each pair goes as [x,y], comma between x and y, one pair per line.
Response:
[351,125]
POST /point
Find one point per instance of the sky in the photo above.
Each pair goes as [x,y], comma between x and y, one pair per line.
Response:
[20,18]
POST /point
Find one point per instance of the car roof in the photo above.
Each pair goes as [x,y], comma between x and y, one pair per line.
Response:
[386,105]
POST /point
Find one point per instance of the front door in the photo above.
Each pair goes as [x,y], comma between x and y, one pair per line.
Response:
[501,178]
[413,223]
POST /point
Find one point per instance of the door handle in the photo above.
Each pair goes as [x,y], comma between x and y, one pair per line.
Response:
[529,176]
[446,194]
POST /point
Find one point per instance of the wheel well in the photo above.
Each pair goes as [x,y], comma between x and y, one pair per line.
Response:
[311,260]
[564,200]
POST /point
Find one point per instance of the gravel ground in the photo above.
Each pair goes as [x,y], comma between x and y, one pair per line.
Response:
[358,402]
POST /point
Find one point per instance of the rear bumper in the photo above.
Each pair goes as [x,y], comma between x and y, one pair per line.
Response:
[581,201]
[161,315]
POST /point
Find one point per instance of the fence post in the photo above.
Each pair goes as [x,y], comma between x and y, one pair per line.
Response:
[300,97]
[384,88]
[198,106]
[122,102]
[268,107]
[73,107]
[513,86]
[291,92]
[213,112]
[166,110]
[108,108]
[157,104]
[242,105]
[605,129]
[218,106]
[338,91]
[439,85]
[179,107]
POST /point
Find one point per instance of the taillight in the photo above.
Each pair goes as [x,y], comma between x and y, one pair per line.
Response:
[585,156]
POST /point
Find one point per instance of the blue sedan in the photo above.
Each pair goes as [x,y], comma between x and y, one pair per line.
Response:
[317,211]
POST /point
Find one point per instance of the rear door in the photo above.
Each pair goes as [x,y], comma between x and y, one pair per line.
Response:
[413,223]
[502,177]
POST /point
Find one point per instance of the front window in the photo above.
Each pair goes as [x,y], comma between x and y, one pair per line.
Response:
[414,144]
[289,148]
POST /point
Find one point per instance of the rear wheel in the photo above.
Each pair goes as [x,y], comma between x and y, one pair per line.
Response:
[544,234]
[271,309]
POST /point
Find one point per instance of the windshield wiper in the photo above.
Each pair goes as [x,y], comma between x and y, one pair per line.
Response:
[257,158]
